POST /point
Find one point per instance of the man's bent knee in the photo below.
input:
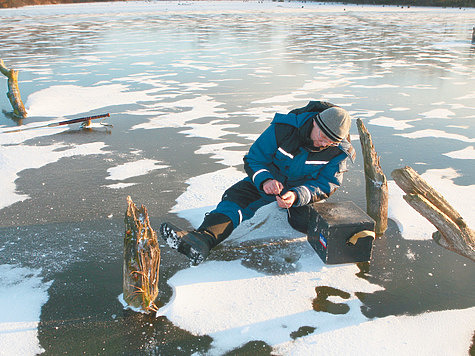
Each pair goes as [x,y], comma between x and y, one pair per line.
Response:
[299,218]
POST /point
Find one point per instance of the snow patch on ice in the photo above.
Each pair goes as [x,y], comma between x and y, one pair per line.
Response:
[378,86]
[446,332]
[211,130]
[134,169]
[399,109]
[237,314]
[466,153]
[438,114]
[390,122]
[271,222]
[185,110]
[120,185]
[73,99]
[436,134]
[219,152]
[23,294]
[411,224]
[34,157]
[204,193]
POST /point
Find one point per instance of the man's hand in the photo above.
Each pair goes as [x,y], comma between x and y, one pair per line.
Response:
[286,200]
[272,187]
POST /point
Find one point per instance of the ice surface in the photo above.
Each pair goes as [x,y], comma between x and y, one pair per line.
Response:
[201,95]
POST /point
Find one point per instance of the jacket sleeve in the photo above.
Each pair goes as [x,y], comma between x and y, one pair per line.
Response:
[260,156]
[326,183]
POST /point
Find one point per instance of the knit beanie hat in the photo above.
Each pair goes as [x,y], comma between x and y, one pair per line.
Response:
[335,123]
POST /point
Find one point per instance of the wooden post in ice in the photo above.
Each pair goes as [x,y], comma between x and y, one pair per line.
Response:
[453,232]
[376,183]
[141,259]
[13,93]
[473,36]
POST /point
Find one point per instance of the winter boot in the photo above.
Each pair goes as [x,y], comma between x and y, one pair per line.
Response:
[196,244]
[193,244]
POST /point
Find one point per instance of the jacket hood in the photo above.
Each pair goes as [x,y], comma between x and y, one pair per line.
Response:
[303,124]
[298,117]
[295,120]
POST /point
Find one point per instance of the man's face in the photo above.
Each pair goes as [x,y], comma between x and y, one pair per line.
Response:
[319,139]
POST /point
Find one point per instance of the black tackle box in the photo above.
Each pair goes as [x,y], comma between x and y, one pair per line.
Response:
[341,232]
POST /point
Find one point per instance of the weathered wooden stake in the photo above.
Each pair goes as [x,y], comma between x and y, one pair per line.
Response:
[453,232]
[376,183]
[141,259]
[13,93]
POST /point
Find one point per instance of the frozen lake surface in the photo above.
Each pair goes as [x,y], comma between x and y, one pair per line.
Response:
[189,86]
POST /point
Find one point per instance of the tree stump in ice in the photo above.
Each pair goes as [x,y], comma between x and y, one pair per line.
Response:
[376,183]
[141,259]
[453,232]
[13,93]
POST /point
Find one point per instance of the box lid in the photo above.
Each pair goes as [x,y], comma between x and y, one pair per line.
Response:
[342,213]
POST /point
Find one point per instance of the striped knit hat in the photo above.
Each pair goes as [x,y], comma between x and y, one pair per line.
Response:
[335,123]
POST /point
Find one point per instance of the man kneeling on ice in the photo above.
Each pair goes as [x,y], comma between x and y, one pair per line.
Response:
[298,160]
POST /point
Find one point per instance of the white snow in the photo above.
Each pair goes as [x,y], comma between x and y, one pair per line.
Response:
[466,153]
[212,130]
[380,86]
[203,193]
[34,157]
[234,304]
[400,109]
[446,332]
[22,295]
[437,134]
[219,152]
[438,114]
[134,169]
[73,99]
[411,224]
[185,110]
[120,185]
[390,122]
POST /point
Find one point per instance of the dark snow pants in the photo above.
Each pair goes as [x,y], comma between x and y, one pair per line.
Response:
[241,201]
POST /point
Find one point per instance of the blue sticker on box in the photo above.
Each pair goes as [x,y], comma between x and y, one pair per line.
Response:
[323,241]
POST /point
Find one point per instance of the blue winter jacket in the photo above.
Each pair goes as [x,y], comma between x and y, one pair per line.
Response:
[283,152]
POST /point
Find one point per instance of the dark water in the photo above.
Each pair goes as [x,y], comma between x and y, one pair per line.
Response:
[250,64]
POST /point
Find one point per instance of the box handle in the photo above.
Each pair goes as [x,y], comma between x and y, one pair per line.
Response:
[365,233]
